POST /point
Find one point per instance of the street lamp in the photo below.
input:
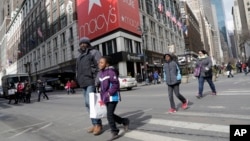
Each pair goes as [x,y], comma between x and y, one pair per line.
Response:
[36,70]
[144,31]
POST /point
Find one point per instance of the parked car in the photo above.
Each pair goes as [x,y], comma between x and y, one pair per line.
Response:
[48,88]
[127,82]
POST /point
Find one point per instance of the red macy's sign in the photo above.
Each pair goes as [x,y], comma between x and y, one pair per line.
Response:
[98,17]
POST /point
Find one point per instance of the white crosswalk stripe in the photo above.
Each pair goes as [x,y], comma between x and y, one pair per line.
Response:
[138,135]
[146,135]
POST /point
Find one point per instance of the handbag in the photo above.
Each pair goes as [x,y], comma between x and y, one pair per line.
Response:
[197,71]
[97,108]
[178,77]
[115,97]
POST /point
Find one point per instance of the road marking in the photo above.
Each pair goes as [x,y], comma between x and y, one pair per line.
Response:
[143,136]
[216,107]
[190,125]
[20,133]
[43,127]
[218,115]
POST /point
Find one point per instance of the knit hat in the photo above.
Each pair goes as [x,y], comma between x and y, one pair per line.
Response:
[170,55]
[84,40]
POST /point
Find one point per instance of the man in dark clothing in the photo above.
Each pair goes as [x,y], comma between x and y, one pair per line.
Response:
[86,71]
[229,69]
[41,89]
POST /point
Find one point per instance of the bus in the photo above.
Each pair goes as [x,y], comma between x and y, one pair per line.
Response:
[12,79]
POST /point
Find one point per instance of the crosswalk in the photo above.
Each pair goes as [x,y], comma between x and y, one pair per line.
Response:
[184,130]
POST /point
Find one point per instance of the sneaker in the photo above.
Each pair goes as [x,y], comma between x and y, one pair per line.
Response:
[185,105]
[126,124]
[114,136]
[213,93]
[97,130]
[198,96]
[170,111]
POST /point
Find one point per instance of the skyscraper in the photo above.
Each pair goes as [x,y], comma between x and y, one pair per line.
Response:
[221,17]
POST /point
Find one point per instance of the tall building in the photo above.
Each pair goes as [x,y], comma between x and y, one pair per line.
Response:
[210,36]
[135,35]
[195,5]
[219,6]
[42,40]
[42,37]
[241,14]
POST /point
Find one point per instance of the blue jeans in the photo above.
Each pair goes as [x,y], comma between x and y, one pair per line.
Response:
[201,81]
[86,91]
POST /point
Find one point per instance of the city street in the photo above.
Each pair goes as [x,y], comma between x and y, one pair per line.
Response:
[64,117]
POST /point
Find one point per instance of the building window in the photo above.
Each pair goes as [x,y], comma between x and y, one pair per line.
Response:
[71,33]
[128,45]
[55,43]
[56,59]
[63,40]
[55,27]
[152,26]
[138,47]
[149,6]
[64,55]
[63,21]
[109,47]
[154,43]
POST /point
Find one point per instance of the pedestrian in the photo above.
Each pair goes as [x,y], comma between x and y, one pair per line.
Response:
[229,70]
[73,86]
[244,67]
[206,73]
[86,72]
[238,65]
[13,94]
[171,69]
[68,87]
[20,93]
[41,90]
[109,85]
[27,91]
[156,76]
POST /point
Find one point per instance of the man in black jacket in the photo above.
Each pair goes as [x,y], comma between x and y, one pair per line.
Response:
[86,71]
[41,90]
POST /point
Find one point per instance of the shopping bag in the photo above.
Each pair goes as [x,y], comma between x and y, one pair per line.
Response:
[11,91]
[97,108]
[228,72]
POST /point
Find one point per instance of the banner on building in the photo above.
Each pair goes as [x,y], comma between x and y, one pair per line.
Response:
[99,17]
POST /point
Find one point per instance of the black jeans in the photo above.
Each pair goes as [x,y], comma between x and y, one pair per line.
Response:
[113,118]
[39,95]
[175,89]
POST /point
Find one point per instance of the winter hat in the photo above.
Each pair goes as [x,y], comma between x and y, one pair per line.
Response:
[170,55]
[84,40]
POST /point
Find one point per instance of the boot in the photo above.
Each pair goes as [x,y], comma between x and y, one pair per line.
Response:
[114,135]
[91,130]
[126,124]
[97,130]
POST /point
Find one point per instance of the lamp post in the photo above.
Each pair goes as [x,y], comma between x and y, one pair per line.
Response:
[36,70]
[144,31]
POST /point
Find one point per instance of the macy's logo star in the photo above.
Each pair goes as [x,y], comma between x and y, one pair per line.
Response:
[92,2]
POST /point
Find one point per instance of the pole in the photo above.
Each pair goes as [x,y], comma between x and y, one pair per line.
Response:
[145,59]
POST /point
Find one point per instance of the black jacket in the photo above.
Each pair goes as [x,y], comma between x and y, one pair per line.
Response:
[87,67]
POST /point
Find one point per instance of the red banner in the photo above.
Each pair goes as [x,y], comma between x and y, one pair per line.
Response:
[99,17]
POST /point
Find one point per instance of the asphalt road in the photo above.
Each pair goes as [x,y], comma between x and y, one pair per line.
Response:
[64,117]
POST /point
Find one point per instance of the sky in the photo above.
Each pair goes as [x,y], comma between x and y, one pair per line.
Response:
[228,4]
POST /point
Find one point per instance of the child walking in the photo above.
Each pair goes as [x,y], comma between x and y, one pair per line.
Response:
[171,72]
[109,84]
